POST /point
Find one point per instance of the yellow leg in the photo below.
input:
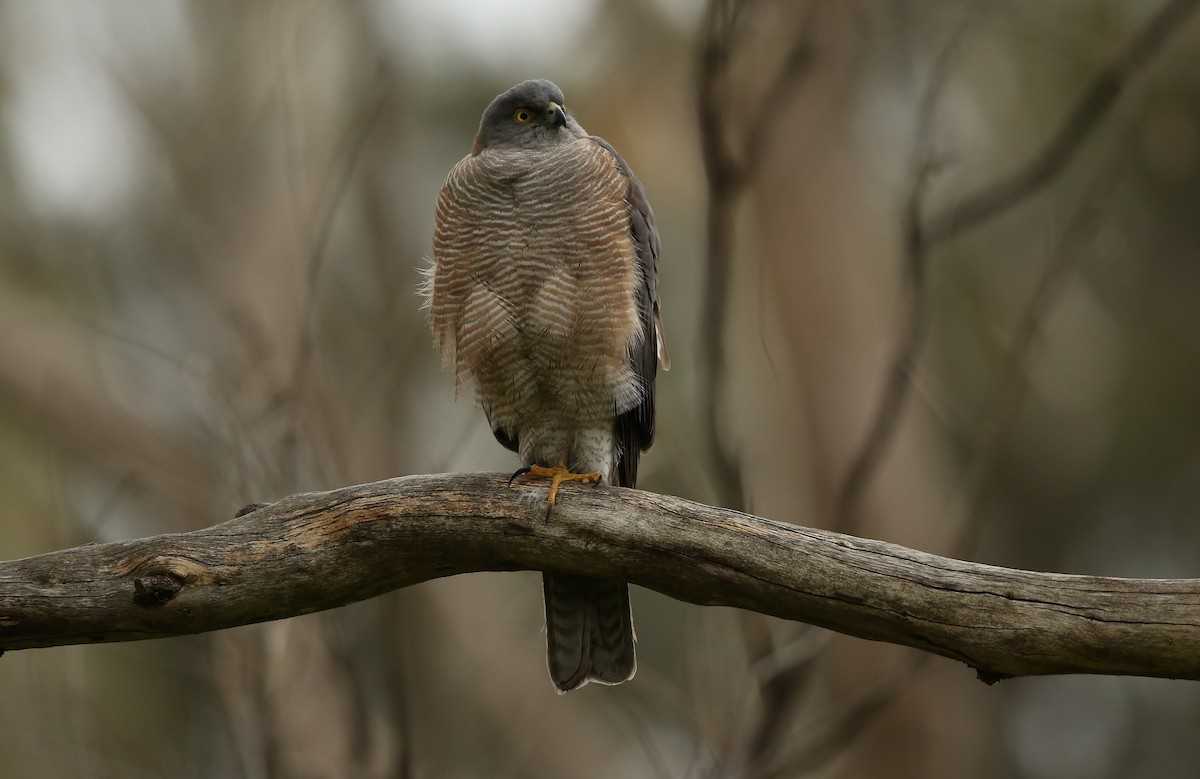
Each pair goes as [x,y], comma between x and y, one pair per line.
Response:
[557,475]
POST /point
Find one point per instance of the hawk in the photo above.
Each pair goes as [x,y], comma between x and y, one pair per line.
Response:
[543,296]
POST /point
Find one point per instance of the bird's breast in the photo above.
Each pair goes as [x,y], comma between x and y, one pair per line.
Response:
[536,275]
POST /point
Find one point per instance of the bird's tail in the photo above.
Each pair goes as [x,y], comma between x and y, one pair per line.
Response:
[589,631]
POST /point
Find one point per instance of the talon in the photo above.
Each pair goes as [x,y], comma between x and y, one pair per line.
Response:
[557,475]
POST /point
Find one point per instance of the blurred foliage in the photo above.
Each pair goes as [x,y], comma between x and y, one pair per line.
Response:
[212,218]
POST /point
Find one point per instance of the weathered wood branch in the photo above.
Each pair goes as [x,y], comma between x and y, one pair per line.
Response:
[316,551]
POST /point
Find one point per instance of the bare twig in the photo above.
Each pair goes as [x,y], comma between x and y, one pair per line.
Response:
[916,250]
[991,201]
[730,164]
[783,676]
[895,391]
[1064,258]
[316,551]
[1094,105]
[723,189]
[334,193]
[829,737]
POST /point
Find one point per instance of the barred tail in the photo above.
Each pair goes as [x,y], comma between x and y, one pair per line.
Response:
[589,631]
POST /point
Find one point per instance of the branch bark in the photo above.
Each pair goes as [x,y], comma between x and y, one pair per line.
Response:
[316,551]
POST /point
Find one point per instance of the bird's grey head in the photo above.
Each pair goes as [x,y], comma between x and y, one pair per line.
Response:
[531,115]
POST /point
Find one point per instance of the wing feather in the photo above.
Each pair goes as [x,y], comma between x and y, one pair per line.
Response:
[635,428]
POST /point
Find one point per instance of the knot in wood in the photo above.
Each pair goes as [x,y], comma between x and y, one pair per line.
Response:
[156,589]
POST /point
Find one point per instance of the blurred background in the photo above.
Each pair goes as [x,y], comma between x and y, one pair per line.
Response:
[212,221]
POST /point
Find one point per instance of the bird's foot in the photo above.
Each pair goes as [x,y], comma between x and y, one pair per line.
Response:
[557,475]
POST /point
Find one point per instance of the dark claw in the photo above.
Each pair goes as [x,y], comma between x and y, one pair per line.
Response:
[524,469]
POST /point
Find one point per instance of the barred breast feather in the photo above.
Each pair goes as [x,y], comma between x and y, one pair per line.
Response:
[534,292]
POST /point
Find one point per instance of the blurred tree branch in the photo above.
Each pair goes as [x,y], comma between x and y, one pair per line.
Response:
[731,160]
[316,551]
[987,202]
[1094,105]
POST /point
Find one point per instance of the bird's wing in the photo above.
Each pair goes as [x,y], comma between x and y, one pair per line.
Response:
[635,427]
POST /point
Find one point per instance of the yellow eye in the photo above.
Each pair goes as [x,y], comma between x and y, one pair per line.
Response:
[522,115]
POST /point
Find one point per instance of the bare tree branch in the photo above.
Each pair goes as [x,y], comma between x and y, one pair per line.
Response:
[895,392]
[916,251]
[1064,258]
[316,551]
[830,736]
[724,187]
[991,200]
[730,164]
[1093,106]
[333,193]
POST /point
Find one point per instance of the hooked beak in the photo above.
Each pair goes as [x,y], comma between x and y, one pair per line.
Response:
[557,114]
